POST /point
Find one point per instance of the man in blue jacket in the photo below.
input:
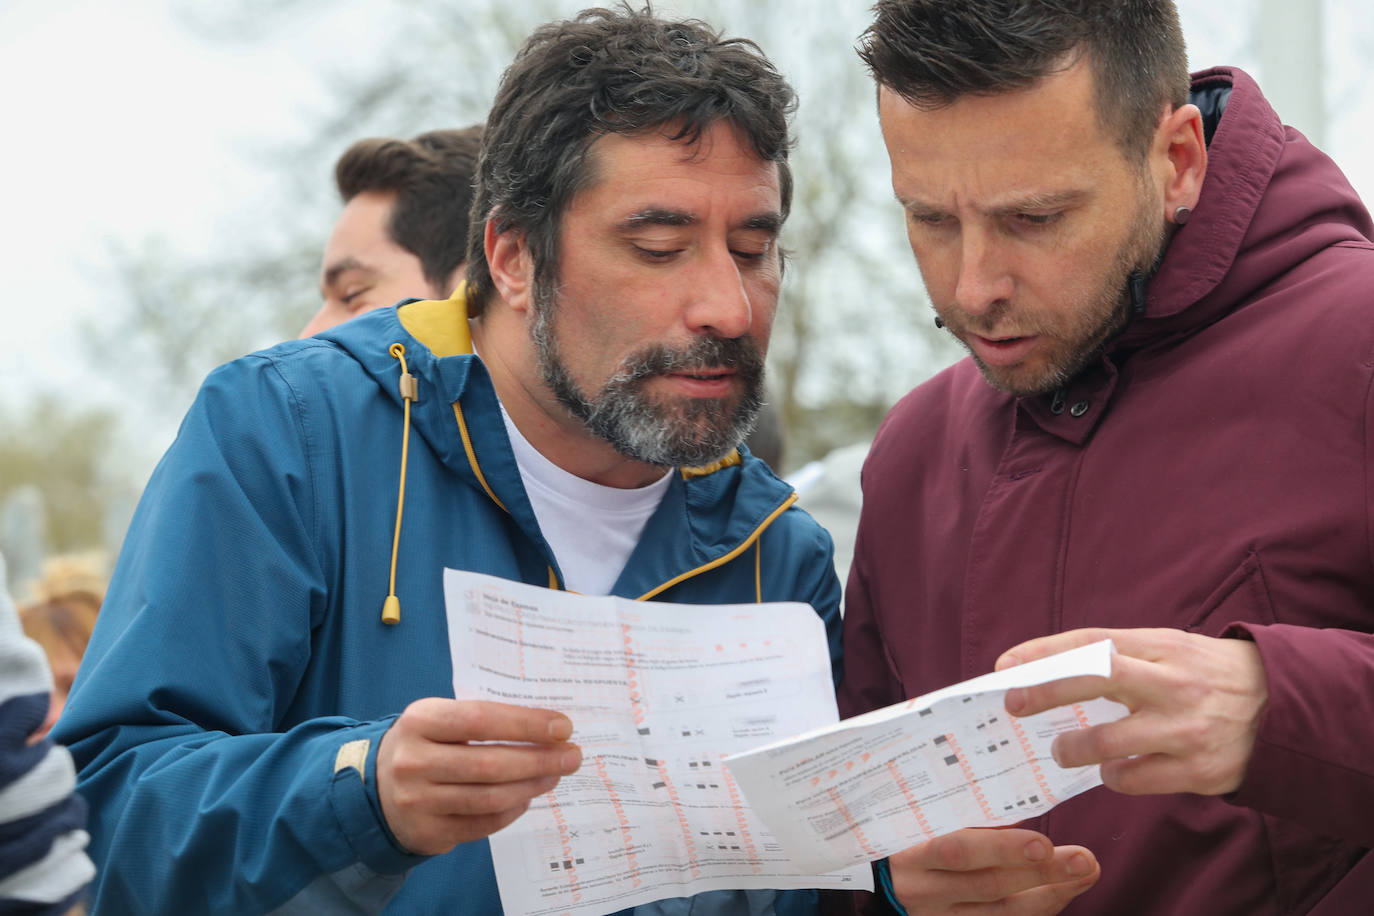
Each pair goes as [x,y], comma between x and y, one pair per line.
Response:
[264,721]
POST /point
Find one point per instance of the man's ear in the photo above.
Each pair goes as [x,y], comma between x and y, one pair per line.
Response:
[1181,147]
[512,268]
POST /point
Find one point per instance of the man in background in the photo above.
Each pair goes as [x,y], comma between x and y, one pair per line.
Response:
[404,227]
[1165,422]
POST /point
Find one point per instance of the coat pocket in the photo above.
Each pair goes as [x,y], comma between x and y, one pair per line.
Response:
[1242,597]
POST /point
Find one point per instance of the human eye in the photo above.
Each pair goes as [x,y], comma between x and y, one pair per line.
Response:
[352,297]
[928,219]
[656,254]
[752,249]
[1036,219]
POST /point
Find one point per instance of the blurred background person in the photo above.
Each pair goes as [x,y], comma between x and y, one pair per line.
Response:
[44,868]
[404,225]
[60,619]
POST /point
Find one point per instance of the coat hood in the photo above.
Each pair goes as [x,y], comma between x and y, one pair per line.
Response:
[1270,200]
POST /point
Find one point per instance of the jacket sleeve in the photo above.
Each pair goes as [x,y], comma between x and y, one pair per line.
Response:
[44,868]
[202,799]
[1313,761]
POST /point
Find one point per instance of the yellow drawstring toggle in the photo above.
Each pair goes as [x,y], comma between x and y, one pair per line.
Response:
[410,391]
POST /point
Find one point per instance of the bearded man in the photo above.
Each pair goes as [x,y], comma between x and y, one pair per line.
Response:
[257,729]
[1162,435]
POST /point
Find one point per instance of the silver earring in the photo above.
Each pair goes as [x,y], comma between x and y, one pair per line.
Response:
[1181,215]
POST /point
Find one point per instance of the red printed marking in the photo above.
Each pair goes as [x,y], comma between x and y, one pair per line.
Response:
[854,828]
[561,823]
[623,822]
[1029,753]
[1081,716]
[637,704]
[682,824]
[737,803]
[910,798]
[972,780]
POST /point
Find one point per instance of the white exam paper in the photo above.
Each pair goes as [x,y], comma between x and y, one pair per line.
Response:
[659,694]
[879,783]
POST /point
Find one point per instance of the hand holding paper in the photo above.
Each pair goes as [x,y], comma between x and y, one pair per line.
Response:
[1020,871]
[891,779]
[1195,701]
[437,790]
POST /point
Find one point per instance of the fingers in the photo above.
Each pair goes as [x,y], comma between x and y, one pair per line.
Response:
[1145,673]
[1033,649]
[485,763]
[450,721]
[1144,643]
[1195,704]
[437,790]
[1019,869]
[428,834]
[416,799]
[1027,701]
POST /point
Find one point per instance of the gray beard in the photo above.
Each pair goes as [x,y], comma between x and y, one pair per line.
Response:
[686,433]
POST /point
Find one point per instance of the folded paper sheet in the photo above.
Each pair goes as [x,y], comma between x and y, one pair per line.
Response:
[895,777]
[659,694]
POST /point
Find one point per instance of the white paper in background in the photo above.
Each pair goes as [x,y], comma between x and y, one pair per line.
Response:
[659,694]
[895,777]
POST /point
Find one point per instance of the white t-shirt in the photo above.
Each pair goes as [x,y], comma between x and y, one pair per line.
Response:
[591,528]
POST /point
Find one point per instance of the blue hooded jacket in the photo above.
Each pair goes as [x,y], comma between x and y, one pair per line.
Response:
[241,644]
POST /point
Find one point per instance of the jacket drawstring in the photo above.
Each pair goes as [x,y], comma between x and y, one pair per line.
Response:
[410,391]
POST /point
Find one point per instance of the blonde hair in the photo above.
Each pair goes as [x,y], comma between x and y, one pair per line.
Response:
[67,598]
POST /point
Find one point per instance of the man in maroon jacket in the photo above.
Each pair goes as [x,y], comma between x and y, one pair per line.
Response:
[1166,421]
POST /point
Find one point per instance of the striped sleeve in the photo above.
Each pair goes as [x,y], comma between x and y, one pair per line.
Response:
[44,868]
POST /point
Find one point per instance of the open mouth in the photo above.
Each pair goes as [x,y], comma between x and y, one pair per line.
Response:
[1002,351]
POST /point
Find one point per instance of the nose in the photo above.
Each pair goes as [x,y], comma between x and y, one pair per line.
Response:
[719,302]
[984,279]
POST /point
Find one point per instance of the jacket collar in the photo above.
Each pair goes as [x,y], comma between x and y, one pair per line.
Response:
[707,516]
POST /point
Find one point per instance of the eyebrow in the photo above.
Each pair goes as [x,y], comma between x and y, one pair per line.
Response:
[658,216]
[334,270]
[1041,200]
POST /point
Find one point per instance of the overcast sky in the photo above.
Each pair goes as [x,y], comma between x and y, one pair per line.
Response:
[119,123]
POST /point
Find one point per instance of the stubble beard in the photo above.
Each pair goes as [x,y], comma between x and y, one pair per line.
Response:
[682,432]
[1090,324]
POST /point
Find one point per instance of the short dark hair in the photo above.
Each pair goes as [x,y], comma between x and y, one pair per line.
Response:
[431,177]
[606,71]
[932,52]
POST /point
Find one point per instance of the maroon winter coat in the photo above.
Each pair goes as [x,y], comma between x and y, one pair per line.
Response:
[1213,472]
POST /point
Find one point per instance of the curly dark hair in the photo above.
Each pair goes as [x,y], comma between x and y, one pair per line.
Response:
[606,71]
[931,52]
[431,177]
